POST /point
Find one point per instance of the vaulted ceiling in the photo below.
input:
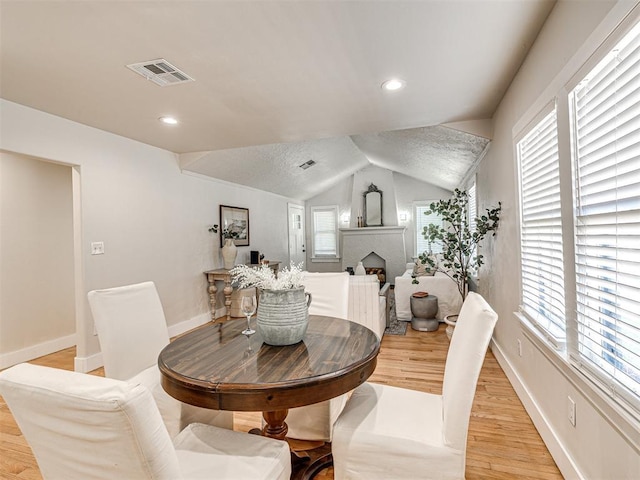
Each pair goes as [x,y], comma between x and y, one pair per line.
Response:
[278,83]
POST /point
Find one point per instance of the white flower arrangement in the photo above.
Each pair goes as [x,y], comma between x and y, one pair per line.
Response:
[264,277]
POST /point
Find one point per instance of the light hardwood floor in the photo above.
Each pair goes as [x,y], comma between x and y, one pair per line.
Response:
[502,444]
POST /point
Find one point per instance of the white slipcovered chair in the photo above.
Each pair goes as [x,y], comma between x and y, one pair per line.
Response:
[84,426]
[440,285]
[368,303]
[412,434]
[132,331]
[329,296]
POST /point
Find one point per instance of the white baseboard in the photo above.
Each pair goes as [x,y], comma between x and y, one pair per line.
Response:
[192,323]
[35,351]
[87,364]
[563,460]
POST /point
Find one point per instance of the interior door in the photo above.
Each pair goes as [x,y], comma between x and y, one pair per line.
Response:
[297,250]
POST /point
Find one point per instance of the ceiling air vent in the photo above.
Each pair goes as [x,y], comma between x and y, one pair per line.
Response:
[308,164]
[160,72]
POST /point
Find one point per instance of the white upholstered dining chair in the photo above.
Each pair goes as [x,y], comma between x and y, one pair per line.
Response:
[132,331]
[85,426]
[413,434]
[329,296]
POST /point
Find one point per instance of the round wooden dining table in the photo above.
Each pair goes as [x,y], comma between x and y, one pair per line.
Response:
[217,367]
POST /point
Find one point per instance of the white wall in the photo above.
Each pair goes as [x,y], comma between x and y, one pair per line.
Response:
[340,194]
[152,218]
[603,444]
[408,191]
[36,254]
[399,192]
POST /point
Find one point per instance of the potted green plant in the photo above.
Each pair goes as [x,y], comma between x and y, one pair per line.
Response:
[459,257]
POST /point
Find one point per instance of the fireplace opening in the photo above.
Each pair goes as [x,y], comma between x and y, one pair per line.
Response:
[374,264]
[380,272]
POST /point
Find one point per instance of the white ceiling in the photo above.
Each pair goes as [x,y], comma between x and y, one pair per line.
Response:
[278,82]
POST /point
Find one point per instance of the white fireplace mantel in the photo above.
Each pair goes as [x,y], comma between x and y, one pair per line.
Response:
[387,242]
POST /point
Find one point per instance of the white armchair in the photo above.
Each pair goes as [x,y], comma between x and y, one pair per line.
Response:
[440,285]
[85,426]
[413,434]
[368,304]
[132,331]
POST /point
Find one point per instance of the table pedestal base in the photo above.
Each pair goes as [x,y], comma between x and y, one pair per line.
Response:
[317,466]
[276,427]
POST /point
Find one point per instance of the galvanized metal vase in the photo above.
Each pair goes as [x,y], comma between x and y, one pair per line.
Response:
[283,316]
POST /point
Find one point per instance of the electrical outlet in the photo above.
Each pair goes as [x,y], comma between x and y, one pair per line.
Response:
[571,412]
[519,348]
[97,248]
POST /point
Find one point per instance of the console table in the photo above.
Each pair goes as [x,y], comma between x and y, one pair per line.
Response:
[224,275]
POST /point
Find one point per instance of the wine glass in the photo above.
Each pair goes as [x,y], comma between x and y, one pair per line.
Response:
[248,306]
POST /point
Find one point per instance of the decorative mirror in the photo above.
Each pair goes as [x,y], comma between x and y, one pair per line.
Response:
[373,207]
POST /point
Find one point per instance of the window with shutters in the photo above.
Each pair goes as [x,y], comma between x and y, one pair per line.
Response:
[541,253]
[580,221]
[473,206]
[472,213]
[605,125]
[325,232]
[423,220]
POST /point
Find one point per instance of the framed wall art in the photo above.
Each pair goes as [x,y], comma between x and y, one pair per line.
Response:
[234,224]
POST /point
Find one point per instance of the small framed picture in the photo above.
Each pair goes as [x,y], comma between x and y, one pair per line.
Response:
[234,224]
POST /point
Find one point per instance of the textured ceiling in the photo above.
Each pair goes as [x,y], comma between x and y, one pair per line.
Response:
[438,155]
[270,73]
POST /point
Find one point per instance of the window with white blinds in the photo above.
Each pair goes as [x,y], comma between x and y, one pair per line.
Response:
[605,116]
[542,272]
[472,212]
[472,206]
[325,231]
[422,220]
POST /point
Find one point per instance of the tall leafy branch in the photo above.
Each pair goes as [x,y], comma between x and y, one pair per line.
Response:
[459,242]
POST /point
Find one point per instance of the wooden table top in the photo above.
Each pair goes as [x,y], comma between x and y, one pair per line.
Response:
[217,367]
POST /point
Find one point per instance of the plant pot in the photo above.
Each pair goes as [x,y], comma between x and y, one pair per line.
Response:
[450,320]
[229,253]
[283,316]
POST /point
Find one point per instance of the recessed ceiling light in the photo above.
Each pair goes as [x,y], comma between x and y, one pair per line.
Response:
[393,84]
[168,120]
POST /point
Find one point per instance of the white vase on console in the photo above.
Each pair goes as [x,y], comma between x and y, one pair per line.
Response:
[360,269]
[229,253]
